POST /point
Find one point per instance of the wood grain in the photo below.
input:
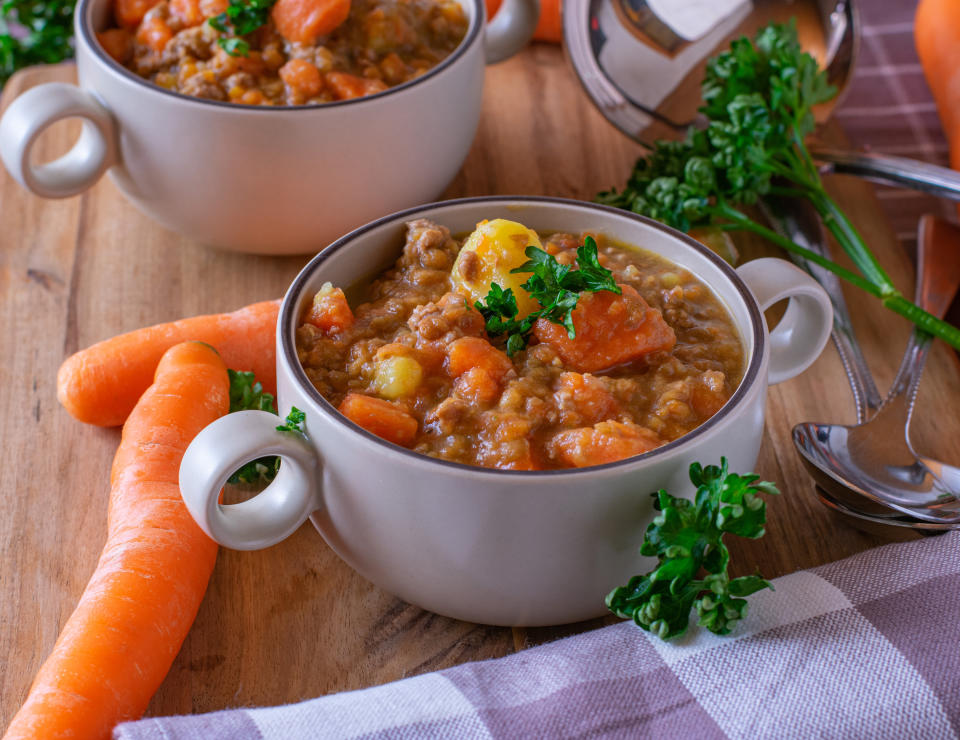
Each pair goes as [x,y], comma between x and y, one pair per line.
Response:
[293,621]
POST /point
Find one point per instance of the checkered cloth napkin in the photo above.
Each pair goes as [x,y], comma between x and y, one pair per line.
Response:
[867,647]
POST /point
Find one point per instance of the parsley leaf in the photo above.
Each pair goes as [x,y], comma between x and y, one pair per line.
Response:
[687,539]
[294,422]
[556,288]
[241,17]
[234,47]
[247,393]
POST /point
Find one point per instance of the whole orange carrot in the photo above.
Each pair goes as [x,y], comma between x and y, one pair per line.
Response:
[100,385]
[119,643]
[550,25]
[937,38]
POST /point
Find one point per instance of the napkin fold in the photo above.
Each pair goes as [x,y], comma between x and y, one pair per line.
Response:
[868,646]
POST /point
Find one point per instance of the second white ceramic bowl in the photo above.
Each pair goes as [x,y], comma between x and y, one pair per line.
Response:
[269,180]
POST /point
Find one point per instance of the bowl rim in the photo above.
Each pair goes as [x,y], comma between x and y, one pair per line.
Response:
[83,30]
[291,300]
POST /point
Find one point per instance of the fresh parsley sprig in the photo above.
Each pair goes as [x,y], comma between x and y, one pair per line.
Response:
[44,34]
[687,539]
[294,422]
[247,393]
[241,17]
[758,98]
[554,286]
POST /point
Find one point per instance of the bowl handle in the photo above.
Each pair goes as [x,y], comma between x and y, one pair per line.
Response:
[805,327]
[31,113]
[274,513]
[510,30]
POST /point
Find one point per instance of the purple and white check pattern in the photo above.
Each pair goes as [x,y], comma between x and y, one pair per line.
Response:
[867,647]
[889,109]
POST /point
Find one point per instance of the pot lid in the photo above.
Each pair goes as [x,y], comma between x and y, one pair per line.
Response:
[642,61]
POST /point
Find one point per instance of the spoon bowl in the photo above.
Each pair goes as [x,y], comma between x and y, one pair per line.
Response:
[877,523]
[851,459]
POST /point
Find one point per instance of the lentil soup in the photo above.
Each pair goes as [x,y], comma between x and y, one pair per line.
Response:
[412,361]
[296,52]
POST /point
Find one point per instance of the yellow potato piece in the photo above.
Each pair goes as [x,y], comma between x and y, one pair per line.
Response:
[488,255]
[396,377]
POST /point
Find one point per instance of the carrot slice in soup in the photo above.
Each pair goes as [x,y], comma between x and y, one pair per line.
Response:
[469,352]
[330,310]
[386,420]
[302,76]
[304,21]
[583,399]
[610,329]
[129,13]
[118,43]
[478,367]
[188,11]
[155,33]
[346,86]
[477,386]
[605,442]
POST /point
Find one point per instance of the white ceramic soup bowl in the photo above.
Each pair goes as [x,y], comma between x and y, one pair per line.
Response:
[491,546]
[269,180]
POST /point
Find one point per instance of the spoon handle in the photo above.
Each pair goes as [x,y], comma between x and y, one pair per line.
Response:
[890,170]
[938,277]
[797,221]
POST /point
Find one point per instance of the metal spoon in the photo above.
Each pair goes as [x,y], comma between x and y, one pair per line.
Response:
[874,458]
[644,75]
[798,221]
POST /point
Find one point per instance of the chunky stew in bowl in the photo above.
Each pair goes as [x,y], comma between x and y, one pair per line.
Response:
[282,52]
[523,351]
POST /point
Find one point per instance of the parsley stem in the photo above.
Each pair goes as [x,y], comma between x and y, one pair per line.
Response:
[806,161]
[890,297]
[788,192]
[849,238]
[786,171]
[925,321]
[747,224]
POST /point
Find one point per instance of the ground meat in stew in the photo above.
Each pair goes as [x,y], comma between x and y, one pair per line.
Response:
[381,44]
[413,364]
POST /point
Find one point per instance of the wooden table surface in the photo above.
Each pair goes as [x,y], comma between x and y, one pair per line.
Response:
[294,622]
